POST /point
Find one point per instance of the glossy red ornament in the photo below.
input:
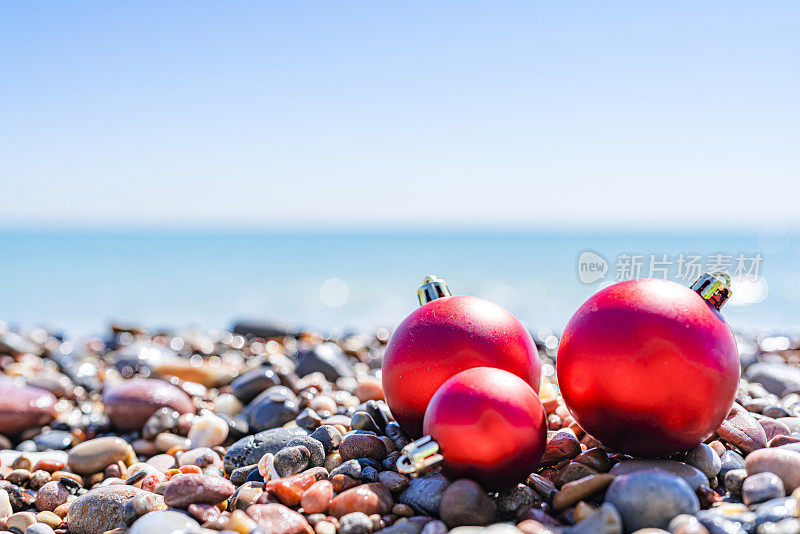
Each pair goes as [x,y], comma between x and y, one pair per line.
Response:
[490,427]
[443,337]
[650,367]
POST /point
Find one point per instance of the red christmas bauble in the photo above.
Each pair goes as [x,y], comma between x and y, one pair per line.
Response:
[648,367]
[490,427]
[446,336]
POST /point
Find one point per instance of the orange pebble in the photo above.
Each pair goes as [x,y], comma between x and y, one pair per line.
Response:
[190,469]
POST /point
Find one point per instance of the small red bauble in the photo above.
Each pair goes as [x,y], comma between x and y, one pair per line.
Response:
[650,367]
[443,337]
[490,427]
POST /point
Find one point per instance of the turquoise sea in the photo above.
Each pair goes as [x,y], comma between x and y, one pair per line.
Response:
[80,281]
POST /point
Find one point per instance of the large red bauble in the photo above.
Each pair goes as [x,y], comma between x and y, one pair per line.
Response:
[490,427]
[446,336]
[648,367]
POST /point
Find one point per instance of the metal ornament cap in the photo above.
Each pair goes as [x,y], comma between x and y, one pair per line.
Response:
[714,288]
[419,457]
[432,288]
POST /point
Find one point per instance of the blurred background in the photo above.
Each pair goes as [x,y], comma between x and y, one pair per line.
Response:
[191,163]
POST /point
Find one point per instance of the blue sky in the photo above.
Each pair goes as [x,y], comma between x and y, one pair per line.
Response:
[518,114]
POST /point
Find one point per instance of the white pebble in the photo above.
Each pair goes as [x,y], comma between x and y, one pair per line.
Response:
[208,430]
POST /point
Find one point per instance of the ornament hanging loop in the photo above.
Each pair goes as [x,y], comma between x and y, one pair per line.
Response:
[419,457]
[714,288]
[432,288]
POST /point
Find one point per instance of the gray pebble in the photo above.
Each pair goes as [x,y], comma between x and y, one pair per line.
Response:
[240,474]
[651,498]
[355,523]
[762,487]
[39,528]
[350,468]
[329,436]
[363,421]
[291,460]
[705,459]
[730,460]
[734,480]
[424,494]
[315,449]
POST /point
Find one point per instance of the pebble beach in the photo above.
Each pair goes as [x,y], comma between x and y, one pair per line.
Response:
[267,431]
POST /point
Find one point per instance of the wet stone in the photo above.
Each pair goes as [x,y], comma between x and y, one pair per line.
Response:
[329,436]
[315,449]
[424,494]
[201,457]
[350,468]
[762,487]
[246,495]
[163,420]
[542,486]
[773,428]
[734,479]
[774,411]
[742,430]
[343,482]
[355,523]
[139,506]
[396,434]
[39,528]
[325,358]
[249,385]
[379,412]
[730,460]
[369,474]
[393,481]
[291,460]
[100,509]
[571,472]
[240,474]
[605,520]
[203,512]
[266,414]
[651,498]
[250,449]
[464,502]
[693,476]
[195,488]
[317,498]
[363,421]
[94,455]
[776,377]
[561,446]
[596,458]
[581,489]
[53,440]
[354,446]
[165,522]
[51,495]
[208,430]
[512,499]
[23,407]
[276,518]
[705,459]
[775,510]
[367,498]
[308,419]
[784,463]
[130,403]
